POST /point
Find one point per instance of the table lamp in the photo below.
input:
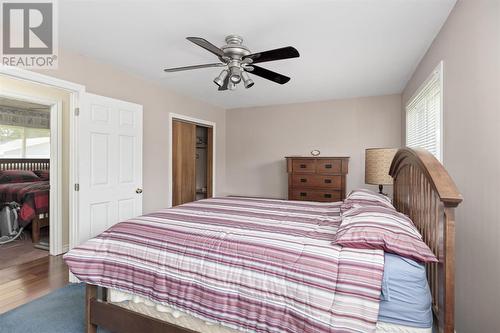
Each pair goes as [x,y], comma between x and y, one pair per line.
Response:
[377,164]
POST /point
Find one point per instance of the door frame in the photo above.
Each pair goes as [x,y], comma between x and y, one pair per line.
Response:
[171,117]
[76,92]
[55,203]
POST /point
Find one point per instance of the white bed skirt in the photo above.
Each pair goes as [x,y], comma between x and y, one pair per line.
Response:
[165,313]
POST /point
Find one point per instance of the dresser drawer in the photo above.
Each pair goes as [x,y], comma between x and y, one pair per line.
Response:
[303,166]
[329,166]
[334,182]
[316,195]
[317,178]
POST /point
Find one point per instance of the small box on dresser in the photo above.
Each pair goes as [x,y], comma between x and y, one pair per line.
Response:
[317,178]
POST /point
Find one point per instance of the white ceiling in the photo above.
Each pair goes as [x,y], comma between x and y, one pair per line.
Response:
[348,48]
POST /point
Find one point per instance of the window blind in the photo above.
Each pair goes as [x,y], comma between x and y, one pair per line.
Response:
[423,117]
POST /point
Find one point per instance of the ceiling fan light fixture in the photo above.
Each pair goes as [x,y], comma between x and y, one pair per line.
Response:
[219,80]
[237,59]
[247,81]
[235,76]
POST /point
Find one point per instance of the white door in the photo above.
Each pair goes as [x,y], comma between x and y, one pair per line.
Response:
[109,165]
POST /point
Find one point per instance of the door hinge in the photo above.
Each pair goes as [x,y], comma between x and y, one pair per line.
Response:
[77,187]
[77,111]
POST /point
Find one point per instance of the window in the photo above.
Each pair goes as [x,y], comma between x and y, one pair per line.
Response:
[424,115]
[24,142]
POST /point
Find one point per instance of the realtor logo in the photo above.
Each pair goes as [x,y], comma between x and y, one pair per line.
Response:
[29,34]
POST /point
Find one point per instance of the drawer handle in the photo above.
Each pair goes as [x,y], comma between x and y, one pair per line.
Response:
[327,195]
[303,166]
[328,166]
[303,194]
[328,181]
[303,180]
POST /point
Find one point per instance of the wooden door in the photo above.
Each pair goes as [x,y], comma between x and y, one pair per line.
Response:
[183,162]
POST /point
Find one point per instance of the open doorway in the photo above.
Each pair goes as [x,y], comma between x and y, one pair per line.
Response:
[203,163]
[28,129]
[192,159]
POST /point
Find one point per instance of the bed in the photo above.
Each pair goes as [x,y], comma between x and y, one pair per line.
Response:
[309,286]
[31,194]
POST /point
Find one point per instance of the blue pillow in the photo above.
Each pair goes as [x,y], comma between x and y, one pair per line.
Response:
[405,298]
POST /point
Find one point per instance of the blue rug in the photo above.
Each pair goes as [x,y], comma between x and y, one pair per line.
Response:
[61,311]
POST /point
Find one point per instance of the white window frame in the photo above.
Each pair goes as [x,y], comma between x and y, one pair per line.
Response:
[438,70]
[23,147]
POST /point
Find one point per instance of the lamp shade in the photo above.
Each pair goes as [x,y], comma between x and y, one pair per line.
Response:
[377,164]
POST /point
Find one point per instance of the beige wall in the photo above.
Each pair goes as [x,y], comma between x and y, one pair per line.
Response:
[469,45]
[9,85]
[104,79]
[259,138]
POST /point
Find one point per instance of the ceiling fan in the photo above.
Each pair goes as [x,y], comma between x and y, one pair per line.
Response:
[237,60]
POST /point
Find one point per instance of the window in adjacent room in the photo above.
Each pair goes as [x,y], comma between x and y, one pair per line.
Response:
[424,115]
[24,142]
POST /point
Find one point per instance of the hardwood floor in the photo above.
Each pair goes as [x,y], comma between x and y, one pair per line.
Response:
[27,281]
[20,251]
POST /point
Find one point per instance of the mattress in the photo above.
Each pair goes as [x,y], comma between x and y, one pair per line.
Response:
[168,314]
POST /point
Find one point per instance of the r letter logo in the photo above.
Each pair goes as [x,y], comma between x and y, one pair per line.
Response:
[29,34]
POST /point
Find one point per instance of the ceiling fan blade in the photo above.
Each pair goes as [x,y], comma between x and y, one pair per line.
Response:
[271,55]
[224,86]
[206,45]
[270,75]
[185,68]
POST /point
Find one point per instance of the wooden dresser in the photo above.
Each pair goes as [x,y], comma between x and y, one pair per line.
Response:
[317,178]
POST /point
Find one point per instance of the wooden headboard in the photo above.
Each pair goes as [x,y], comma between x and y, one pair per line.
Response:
[425,192]
[24,164]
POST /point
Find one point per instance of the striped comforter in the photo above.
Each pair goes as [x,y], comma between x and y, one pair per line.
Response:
[256,265]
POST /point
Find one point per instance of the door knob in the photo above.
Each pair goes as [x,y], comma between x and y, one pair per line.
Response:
[138,190]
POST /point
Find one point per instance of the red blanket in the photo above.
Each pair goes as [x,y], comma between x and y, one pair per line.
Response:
[32,196]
